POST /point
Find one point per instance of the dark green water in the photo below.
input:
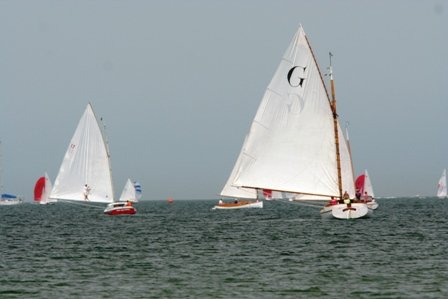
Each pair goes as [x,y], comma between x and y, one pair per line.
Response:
[185,250]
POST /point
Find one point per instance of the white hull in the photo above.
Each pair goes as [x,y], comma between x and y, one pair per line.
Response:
[343,211]
[256,204]
[372,205]
[10,202]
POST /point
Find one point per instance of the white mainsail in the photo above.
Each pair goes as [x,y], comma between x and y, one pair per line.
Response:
[441,189]
[128,193]
[291,143]
[85,162]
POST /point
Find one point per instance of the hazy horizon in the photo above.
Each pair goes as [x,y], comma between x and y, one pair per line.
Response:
[178,84]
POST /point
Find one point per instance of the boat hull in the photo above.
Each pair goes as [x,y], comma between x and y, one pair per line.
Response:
[239,205]
[372,205]
[344,211]
[127,210]
[10,202]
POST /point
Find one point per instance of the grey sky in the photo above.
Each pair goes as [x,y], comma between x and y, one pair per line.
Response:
[178,84]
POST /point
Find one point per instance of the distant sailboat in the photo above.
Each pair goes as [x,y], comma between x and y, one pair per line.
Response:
[441,188]
[293,145]
[42,190]
[138,190]
[85,174]
[129,192]
[5,198]
[364,187]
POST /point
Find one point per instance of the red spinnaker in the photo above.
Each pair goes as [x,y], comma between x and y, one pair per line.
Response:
[359,183]
[39,188]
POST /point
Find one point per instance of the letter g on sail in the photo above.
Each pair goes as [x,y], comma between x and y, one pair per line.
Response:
[296,76]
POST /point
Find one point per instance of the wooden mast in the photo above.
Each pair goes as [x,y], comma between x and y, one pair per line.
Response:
[336,131]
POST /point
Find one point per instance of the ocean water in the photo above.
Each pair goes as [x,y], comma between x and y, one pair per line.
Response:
[186,250]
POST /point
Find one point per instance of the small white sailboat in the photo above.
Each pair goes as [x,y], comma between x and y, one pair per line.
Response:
[364,187]
[441,187]
[129,192]
[7,199]
[138,191]
[42,190]
[85,174]
[293,145]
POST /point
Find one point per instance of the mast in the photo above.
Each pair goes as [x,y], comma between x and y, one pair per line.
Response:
[335,121]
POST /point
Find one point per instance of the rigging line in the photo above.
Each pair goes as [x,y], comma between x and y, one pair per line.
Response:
[80,204]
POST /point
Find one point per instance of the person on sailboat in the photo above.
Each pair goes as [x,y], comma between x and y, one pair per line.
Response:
[220,202]
[366,197]
[346,198]
[358,194]
[86,191]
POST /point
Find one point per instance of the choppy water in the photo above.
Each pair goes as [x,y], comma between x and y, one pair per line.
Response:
[185,250]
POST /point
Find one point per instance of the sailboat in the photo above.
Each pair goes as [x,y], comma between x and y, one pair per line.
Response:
[242,198]
[85,174]
[42,190]
[138,191]
[441,188]
[7,199]
[293,144]
[129,192]
[364,187]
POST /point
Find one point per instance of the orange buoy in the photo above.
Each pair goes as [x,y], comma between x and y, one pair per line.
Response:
[170,200]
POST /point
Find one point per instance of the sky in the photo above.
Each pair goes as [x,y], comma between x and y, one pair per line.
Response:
[178,84]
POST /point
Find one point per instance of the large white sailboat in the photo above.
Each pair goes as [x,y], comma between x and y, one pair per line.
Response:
[85,174]
[293,145]
[441,187]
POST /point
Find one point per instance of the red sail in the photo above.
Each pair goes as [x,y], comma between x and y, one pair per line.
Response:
[39,188]
[267,193]
[359,183]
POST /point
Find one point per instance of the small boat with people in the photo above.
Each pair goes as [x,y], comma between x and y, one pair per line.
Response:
[364,191]
[238,204]
[120,208]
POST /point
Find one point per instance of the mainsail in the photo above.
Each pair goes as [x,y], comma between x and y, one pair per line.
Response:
[291,143]
[441,188]
[85,165]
